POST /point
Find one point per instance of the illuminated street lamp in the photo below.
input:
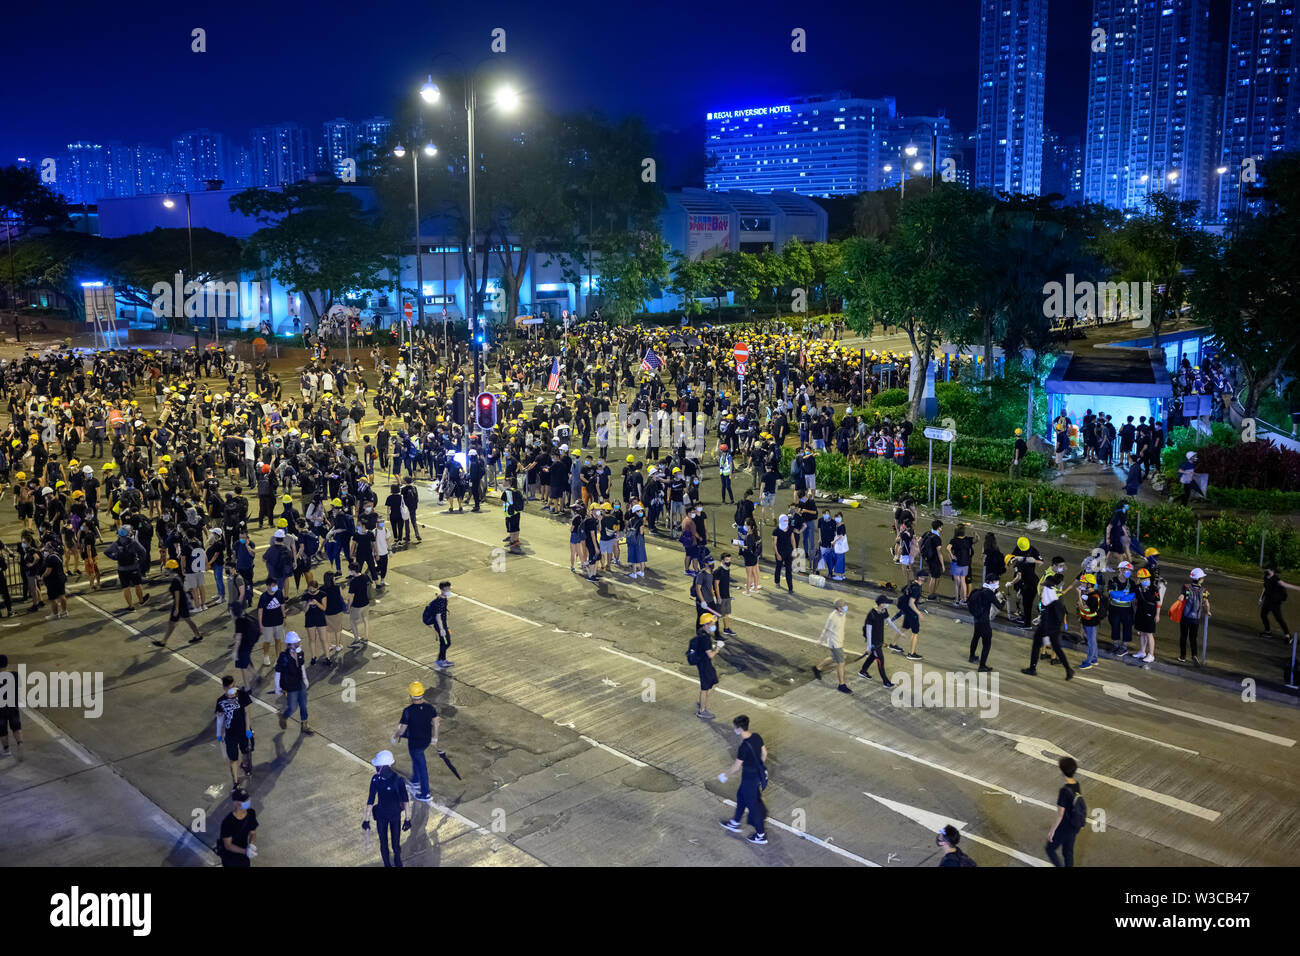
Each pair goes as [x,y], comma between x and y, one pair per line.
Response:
[170,203]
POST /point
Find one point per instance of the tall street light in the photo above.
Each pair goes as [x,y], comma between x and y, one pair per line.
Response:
[189,235]
[505,99]
[399,151]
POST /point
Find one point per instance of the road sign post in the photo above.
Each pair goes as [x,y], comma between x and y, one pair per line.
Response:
[940,434]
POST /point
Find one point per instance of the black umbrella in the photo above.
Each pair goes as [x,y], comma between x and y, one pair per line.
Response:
[447,761]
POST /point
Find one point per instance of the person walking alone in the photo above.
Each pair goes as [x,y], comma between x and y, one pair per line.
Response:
[419,725]
[751,762]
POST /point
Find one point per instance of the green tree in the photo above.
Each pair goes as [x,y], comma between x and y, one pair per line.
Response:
[744,275]
[1248,288]
[690,280]
[633,268]
[317,241]
[825,260]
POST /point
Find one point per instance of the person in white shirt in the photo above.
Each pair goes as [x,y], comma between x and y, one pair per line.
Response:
[833,640]
[383,543]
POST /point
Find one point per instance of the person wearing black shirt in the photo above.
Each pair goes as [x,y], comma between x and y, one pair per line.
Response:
[961,549]
[179,605]
[386,803]
[291,680]
[873,631]
[513,505]
[419,725]
[751,761]
[359,605]
[440,626]
[953,855]
[783,538]
[981,602]
[722,593]
[235,727]
[1063,831]
[246,635]
[703,650]
[10,716]
[1049,628]
[238,840]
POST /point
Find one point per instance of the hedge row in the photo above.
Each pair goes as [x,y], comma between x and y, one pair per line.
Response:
[1165,526]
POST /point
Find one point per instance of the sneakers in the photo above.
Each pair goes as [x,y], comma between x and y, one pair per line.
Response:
[972,659]
[864,674]
[895,648]
[1085,665]
[703,715]
[727,630]
[758,839]
[1029,671]
[1150,658]
[1182,660]
[1069,674]
[731,825]
[985,669]
[844,689]
[888,684]
[444,664]
[912,656]
[1196,661]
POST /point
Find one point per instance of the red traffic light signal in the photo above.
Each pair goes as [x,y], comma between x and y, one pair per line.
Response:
[486,406]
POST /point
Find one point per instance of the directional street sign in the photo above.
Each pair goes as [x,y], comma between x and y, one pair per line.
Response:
[940,434]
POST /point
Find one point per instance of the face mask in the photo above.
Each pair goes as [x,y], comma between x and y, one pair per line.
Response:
[231,691]
[710,629]
[246,805]
[737,730]
[839,521]
[446,593]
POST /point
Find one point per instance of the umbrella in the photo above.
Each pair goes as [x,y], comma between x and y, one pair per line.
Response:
[447,761]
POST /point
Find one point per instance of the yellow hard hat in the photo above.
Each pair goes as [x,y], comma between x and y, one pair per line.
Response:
[1019,431]
[166,458]
[1149,552]
[325,433]
[286,499]
[337,503]
[607,507]
[707,618]
[677,471]
[1090,580]
[1143,574]
[631,458]
[108,466]
[59,484]
[22,475]
[171,563]
[415,689]
[282,522]
[73,463]
[1022,544]
[162,470]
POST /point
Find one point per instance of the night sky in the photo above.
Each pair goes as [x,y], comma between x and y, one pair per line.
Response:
[124,71]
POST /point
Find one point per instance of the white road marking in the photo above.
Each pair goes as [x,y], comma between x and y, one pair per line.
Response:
[1019,797]
[824,844]
[174,828]
[935,822]
[617,753]
[1039,749]
[1093,723]
[58,736]
[716,690]
[1133,695]
[489,607]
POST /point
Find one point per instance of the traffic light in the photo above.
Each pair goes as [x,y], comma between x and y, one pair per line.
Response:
[486,406]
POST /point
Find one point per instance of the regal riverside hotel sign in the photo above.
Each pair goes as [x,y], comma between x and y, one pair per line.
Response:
[756,111]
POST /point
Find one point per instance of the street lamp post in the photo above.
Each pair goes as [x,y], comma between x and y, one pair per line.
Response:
[506,99]
[399,151]
[189,235]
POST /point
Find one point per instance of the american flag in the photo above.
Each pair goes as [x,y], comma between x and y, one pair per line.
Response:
[651,362]
[553,383]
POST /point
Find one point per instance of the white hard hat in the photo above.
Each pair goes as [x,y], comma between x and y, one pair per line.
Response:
[292,638]
[1197,574]
[1191,455]
[383,759]
[87,470]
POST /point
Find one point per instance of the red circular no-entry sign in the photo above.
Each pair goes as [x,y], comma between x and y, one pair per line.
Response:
[741,352]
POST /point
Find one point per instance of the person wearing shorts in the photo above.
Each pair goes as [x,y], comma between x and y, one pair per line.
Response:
[833,640]
[909,607]
[359,605]
[234,728]
[961,550]
[704,650]
[10,717]
[270,618]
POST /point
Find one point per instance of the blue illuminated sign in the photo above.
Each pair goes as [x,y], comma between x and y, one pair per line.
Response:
[92,285]
[757,111]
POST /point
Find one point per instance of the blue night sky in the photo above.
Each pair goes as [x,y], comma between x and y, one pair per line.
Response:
[103,71]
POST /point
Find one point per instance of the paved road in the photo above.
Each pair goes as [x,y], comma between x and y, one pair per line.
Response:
[569,714]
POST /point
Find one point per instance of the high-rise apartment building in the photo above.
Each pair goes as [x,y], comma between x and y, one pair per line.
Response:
[1012,83]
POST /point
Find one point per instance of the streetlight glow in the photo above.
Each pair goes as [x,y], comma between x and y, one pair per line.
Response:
[889,168]
[399,150]
[169,202]
[1173,176]
[910,149]
[507,98]
[918,165]
[430,149]
[1221,170]
[430,92]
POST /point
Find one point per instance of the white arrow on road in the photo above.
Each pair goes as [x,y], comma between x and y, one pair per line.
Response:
[1039,749]
[934,823]
[1133,695]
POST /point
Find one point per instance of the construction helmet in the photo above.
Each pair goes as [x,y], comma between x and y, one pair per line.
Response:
[1149,552]
[416,689]
[286,499]
[1022,544]
[383,759]
[707,618]
[1143,574]
[1090,580]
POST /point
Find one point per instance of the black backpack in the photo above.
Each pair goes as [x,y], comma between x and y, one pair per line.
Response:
[1078,812]
[690,654]
[929,545]
[428,616]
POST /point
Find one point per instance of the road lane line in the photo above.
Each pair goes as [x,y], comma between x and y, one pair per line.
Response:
[1019,797]
[716,690]
[59,737]
[840,851]
[617,753]
[934,822]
